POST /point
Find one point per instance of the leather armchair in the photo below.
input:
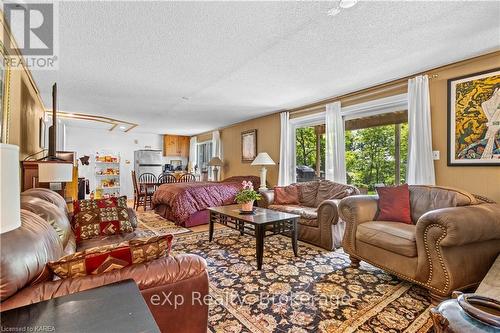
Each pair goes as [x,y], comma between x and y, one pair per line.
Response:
[451,245]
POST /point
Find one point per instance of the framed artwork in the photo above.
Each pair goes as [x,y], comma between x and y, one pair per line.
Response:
[248,146]
[474,119]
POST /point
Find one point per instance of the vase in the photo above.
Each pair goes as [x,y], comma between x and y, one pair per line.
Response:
[247,206]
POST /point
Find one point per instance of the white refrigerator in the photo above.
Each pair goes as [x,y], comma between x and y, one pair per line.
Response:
[148,161]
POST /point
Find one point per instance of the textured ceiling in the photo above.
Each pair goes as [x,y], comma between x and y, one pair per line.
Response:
[188,67]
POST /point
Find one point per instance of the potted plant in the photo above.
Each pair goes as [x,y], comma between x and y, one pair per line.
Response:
[247,196]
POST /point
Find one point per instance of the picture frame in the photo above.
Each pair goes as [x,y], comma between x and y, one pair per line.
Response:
[248,146]
[474,119]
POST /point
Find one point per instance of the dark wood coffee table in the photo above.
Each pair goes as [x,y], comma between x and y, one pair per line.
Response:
[265,222]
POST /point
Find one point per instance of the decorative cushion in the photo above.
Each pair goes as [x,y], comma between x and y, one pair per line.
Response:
[394,204]
[107,258]
[94,218]
[286,195]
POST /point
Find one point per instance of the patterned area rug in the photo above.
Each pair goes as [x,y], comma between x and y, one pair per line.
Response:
[151,224]
[315,292]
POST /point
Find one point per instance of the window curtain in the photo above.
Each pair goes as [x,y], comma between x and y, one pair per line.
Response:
[420,161]
[335,144]
[216,150]
[193,153]
[286,174]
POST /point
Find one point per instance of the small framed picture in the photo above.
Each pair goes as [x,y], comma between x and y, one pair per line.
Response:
[474,119]
[248,145]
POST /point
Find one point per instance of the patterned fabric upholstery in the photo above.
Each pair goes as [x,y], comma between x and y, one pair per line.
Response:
[107,258]
[94,218]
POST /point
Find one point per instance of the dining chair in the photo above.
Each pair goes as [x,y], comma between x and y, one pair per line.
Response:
[147,185]
[140,196]
[166,178]
[187,178]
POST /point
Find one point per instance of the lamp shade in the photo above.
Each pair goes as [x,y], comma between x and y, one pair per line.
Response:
[55,172]
[216,161]
[10,201]
[263,159]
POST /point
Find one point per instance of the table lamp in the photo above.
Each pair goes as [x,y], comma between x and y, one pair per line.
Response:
[216,162]
[263,159]
[55,172]
[10,188]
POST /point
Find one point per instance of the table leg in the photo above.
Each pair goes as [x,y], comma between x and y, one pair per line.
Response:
[294,237]
[259,242]
[242,227]
[211,227]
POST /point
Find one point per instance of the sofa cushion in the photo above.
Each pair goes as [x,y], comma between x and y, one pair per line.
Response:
[392,236]
[394,204]
[426,198]
[107,258]
[286,195]
[25,251]
[328,190]
[51,214]
[94,218]
[308,215]
[308,192]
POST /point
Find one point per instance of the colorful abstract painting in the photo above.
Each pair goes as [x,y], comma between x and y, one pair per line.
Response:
[474,119]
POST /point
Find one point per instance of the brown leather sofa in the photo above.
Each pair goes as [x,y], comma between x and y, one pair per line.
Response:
[45,235]
[319,220]
[454,238]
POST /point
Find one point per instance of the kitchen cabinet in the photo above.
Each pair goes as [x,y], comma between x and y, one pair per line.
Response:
[176,145]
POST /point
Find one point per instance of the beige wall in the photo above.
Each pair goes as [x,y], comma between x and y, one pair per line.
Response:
[480,180]
[268,140]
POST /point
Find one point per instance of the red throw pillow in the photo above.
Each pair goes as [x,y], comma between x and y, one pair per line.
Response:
[102,217]
[107,258]
[286,195]
[394,204]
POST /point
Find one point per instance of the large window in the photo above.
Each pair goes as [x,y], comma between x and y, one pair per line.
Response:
[310,153]
[376,150]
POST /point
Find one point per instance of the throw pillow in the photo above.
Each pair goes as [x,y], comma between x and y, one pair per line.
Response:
[286,195]
[107,258]
[93,218]
[394,204]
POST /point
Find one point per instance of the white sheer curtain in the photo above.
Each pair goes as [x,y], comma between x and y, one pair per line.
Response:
[335,144]
[193,153]
[420,161]
[287,157]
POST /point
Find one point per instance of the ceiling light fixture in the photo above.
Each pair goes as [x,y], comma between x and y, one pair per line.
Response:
[347,3]
[123,128]
[333,11]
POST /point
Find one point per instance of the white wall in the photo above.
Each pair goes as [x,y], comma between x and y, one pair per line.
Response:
[88,141]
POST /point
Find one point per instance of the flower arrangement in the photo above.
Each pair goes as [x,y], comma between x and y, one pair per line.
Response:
[247,196]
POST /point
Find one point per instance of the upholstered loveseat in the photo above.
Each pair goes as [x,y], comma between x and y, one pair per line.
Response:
[319,220]
[450,245]
[45,235]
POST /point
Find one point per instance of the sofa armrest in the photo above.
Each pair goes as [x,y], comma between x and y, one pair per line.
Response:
[355,210]
[160,272]
[461,225]
[328,212]
[267,198]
